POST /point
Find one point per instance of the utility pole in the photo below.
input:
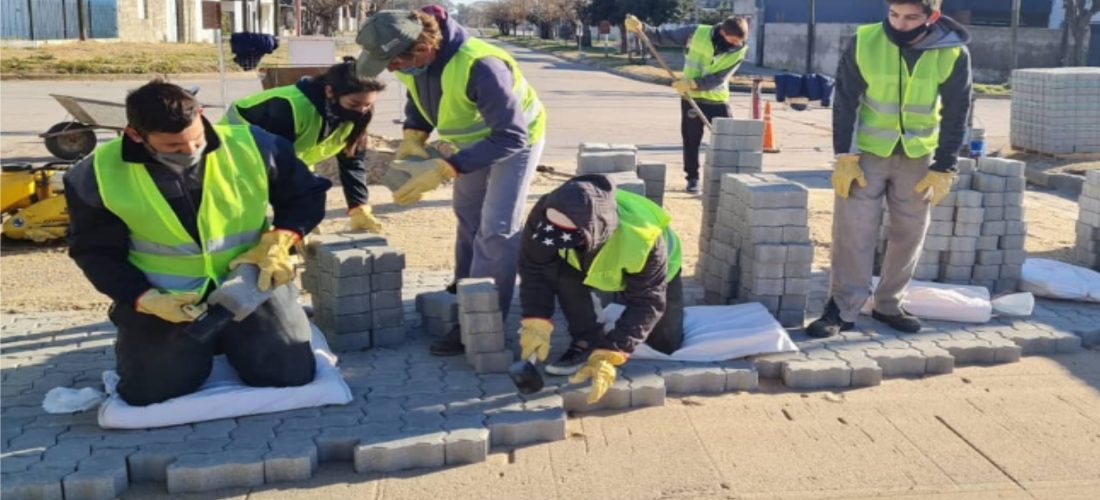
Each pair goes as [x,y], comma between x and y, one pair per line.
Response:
[1015,33]
[811,28]
[81,19]
[298,17]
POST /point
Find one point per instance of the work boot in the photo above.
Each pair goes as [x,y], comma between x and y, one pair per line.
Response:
[904,322]
[693,186]
[573,359]
[448,345]
[829,324]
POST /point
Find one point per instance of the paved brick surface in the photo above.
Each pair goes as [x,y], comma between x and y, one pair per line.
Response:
[414,411]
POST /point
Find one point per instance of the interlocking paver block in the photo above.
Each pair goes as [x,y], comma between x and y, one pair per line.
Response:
[491,362]
[290,460]
[466,446]
[390,454]
[693,378]
[438,304]
[647,387]
[898,362]
[771,365]
[865,371]
[1031,341]
[741,376]
[530,426]
[617,397]
[969,352]
[150,462]
[42,484]
[389,336]
[101,475]
[387,259]
[337,444]
[208,472]
[816,374]
[386,281]
[477,295]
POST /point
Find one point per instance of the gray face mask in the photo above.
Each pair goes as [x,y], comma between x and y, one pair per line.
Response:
[178,162]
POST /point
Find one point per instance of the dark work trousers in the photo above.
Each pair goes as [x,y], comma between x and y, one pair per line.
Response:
[157,361]
[582,311]
[691,129]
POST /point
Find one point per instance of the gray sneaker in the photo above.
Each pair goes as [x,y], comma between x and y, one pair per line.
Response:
[693,186]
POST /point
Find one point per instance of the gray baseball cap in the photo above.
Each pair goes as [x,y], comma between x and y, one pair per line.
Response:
[386,35]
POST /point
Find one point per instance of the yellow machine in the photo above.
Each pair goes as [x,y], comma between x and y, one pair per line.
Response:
[32,202]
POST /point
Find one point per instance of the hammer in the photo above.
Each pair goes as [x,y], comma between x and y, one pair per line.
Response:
[526,376]
[234,300]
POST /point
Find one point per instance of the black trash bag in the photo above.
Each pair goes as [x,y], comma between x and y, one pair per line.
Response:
[249,48]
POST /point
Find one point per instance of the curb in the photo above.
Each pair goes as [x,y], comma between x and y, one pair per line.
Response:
[1067,183]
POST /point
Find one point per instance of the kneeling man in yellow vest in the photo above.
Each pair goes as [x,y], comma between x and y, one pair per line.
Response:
[584,237]
[160,215]
[906,83]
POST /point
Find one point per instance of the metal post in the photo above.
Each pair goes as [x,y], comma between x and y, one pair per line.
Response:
[298,17]
[1015,33]
[221,68]
[811,28]
[81,16]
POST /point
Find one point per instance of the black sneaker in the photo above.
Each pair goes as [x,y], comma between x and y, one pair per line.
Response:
[904,322]
[829,324]
[568,364]
[448,345]
[452,288]
[693,186]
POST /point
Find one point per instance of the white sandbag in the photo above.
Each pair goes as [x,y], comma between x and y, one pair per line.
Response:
[61,400]
[1059,280]
[1014,304]
[941,301]
[718,333]
[224,395]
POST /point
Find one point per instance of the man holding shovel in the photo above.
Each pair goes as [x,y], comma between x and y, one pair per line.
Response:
[587,236]
[713,54]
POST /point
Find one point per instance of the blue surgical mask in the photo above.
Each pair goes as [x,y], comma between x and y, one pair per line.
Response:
[415,70]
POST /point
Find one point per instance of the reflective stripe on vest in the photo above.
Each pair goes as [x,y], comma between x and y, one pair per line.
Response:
[641,222]
[459,120]
[896,96]
[700,62]
[231,216]
[307,123]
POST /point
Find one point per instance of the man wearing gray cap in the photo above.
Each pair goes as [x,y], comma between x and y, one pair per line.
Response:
[474,95]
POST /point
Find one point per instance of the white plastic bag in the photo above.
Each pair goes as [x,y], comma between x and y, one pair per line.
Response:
[1014,304]
[940,301]
[1059,280]
[718,333]
[69,400]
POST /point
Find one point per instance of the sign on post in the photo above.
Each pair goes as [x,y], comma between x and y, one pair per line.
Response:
[211,15]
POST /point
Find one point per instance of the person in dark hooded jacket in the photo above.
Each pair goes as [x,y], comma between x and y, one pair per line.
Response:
[587,236]
[906,83]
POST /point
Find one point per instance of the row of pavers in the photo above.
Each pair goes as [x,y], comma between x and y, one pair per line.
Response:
[415,411]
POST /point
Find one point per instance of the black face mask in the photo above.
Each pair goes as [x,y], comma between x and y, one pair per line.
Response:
[343,114]
[903,38]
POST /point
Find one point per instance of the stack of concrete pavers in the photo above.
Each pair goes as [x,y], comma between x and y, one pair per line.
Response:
[438,311]
[355,283]
[760,250]
[654,176]
[736,148]
[1088,222]
[977,233]
[1056,110]
[619,162]
[482,326]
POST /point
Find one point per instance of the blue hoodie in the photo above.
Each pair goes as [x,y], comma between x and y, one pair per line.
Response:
[490,87]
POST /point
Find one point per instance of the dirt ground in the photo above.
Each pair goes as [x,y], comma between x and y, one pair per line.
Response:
[43,278]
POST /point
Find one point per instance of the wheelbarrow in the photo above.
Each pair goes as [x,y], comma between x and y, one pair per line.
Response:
[74,139]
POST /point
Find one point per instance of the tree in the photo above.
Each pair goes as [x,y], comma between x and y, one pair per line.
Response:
[652,12]
[325,15]
[1078,16]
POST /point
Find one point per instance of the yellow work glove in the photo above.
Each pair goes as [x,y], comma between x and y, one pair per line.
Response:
[938,182]
[845,172]
[173,307]
[426,176]
[633,24]
[534,338]
[362,219]
[272,256]
[601,369]
[412,145]
[683,86]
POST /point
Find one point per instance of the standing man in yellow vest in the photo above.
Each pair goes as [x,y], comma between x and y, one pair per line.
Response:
[712,55]
[474,95]
[903,90]
[323,116]
[160,215]
[587,236]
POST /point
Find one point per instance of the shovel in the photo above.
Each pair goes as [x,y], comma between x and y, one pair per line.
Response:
[526,375]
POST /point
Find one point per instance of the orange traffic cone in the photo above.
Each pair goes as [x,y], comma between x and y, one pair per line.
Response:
[769,135]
